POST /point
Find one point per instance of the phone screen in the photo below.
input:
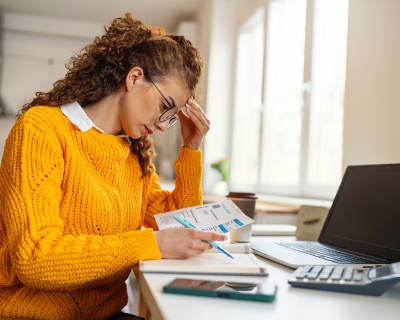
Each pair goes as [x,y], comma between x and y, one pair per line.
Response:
[224,289]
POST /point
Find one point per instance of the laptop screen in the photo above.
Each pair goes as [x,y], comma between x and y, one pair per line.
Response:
[365,215]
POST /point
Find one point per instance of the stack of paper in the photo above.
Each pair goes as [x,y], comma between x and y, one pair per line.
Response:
[211,262]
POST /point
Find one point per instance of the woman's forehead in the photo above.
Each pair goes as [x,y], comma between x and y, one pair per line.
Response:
[176,92]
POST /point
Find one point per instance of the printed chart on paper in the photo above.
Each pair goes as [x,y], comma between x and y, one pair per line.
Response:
[221,217]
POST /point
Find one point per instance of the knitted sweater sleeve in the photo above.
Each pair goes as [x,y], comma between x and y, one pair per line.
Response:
[187,191]
[42,257]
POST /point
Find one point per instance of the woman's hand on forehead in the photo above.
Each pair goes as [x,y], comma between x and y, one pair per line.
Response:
[194,124]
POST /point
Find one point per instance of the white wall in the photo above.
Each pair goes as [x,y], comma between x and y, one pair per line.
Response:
[32,63]
[372,99]
[220,25]
[203,21]
[6,124]
[245,10]
[34,52]
[218,22]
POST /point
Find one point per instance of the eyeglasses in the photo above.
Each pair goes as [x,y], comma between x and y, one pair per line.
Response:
[167,115]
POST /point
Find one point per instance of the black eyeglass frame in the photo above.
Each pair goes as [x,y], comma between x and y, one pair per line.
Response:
[172,119]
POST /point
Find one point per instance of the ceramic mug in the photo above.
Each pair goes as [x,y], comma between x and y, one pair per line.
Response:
[246,202]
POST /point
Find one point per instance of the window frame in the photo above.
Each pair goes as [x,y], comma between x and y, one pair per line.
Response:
[304,188]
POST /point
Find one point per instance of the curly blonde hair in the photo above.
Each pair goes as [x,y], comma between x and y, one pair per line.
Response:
[101,67]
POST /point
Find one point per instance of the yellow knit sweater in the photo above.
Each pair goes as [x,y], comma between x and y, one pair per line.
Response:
[72,205]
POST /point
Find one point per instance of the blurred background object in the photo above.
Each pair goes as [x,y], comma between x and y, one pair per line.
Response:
[38,37]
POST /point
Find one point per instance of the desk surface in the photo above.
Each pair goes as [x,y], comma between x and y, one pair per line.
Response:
[290,303]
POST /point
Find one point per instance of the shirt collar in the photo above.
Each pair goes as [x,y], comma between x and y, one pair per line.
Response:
[74,112]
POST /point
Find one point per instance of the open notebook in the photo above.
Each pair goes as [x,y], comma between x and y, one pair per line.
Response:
[211,262]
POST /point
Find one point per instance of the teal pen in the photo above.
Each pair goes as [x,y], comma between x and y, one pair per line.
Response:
[187,224]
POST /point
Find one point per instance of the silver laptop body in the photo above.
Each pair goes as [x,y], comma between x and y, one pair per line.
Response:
[362,226]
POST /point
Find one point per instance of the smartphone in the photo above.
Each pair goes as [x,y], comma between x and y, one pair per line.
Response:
[223,289]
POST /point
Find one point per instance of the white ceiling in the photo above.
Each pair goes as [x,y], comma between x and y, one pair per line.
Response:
[164,13]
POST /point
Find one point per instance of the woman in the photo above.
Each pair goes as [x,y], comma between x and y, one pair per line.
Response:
[77,180]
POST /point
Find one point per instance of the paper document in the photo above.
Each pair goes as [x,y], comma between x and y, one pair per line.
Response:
[221,217]
[233,248]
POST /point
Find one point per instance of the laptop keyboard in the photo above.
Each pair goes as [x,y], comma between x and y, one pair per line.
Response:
[327,253]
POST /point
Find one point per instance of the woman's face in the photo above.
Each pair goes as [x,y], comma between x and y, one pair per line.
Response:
[142,104]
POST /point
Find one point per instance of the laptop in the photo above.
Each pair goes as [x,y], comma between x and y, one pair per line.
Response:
[362,226]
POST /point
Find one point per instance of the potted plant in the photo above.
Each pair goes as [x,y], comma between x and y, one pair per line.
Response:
[222,166]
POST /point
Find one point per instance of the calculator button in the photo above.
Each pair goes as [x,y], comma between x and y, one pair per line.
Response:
[348,277]
[306,269]
[324,276]
[312,275]
[301,275]
[316,269]
[336,276]
[358,277]
[326,272]
[348,274]
[372,274]
[337,273]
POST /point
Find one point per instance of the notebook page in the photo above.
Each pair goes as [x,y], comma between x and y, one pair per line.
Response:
[207,263]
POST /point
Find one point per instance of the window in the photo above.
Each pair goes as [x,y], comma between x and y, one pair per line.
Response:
[248,101]
[328,80]
[288,116]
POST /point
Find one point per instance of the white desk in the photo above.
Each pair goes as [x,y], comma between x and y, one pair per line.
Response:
[290,302]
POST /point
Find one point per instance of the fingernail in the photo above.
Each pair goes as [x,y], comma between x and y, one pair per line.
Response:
[225,238]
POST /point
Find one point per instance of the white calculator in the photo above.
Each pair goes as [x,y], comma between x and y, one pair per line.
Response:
[371,281]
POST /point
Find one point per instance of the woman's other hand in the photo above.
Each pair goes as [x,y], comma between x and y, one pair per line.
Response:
[181,243]
[194,125]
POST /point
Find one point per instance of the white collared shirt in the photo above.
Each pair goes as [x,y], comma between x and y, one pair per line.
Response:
[74,112]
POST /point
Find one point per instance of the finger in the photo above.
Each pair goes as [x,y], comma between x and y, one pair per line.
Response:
[204,245]
[194,104]
[197,107]
[211,236]
[188,253]
[183,114]
[197,251]
[196,115]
